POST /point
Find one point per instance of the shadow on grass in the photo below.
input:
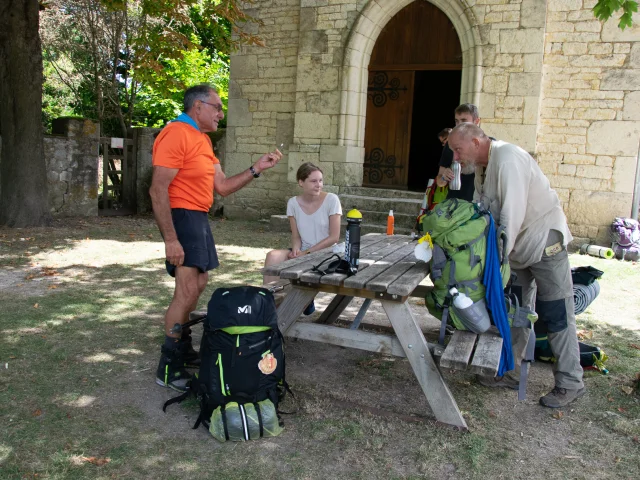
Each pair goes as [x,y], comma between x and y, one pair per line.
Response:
[78,384]
[17,246]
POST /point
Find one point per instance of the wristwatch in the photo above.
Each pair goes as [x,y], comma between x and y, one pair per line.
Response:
[253,172]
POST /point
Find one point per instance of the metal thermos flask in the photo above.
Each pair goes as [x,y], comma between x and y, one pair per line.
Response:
[456,183]
[352,242]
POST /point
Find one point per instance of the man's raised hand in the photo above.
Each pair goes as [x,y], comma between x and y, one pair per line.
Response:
[268,160]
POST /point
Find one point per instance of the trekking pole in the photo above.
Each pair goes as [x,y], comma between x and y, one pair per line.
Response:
[177,328]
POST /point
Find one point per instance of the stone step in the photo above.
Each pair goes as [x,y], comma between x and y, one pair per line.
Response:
[403,220]
[381,193]
[280,223]
[410,206]
[369,228]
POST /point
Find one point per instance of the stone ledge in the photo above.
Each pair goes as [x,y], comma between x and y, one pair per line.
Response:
[279,223]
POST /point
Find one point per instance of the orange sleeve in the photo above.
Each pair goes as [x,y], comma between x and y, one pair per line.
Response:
[169,148]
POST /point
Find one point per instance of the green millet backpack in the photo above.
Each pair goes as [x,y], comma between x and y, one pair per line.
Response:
[459,232]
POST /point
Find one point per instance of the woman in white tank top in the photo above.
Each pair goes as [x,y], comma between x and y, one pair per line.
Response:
[314,217]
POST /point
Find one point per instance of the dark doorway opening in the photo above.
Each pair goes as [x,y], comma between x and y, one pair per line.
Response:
[436,96]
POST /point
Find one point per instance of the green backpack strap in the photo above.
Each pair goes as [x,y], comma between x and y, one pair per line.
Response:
[445,317]
[473,258]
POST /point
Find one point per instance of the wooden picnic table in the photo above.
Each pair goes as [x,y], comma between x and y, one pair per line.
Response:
[389,273]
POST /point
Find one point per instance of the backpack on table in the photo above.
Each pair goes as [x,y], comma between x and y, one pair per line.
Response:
[242,374]
[459,232]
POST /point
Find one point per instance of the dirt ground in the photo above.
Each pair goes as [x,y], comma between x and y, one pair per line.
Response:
[82,309]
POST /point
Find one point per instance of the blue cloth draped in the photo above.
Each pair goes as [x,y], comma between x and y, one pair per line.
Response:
[495,298]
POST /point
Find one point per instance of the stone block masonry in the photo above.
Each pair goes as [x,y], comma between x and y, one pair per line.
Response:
[544,73]
[71,156]
[589,127]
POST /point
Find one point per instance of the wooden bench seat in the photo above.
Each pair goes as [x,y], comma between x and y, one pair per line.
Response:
[467,351]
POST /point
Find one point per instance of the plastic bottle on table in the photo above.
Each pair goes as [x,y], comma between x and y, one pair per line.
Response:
[390,222]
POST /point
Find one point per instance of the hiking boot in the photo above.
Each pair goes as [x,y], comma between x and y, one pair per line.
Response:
[498,382]
[171,371]
[561,397]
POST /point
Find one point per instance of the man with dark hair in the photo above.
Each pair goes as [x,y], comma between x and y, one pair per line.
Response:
[521,200]
[185,170]
[465,113]
[444,135]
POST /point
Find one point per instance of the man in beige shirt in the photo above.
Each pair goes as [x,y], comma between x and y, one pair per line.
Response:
[521,200]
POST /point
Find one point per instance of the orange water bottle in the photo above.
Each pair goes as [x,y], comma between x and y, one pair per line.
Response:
[390,222]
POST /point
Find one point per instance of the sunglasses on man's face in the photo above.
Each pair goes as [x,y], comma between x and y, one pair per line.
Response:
[217,106]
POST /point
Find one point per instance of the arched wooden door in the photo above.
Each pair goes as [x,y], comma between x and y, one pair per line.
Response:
[420,37]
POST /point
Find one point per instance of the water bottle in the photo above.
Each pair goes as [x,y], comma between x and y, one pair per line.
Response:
[351,258]
[456,183]
[474,316]
[460,299]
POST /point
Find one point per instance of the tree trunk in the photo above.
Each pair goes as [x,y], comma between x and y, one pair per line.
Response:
[23,176]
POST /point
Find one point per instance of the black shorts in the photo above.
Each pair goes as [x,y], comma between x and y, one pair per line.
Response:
[194,234]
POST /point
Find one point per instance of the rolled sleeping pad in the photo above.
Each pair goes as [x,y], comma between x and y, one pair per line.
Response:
[597,251]
[583,295]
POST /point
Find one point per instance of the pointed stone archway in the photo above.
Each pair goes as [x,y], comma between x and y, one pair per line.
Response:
[374,17]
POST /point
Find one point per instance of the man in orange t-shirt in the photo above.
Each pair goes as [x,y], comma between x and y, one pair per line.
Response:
[185,171]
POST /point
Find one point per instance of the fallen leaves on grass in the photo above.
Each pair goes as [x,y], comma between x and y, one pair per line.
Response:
[633,345]
[558,415]
[35,305]
[626,389]
[585,334]
[37,412]
[52,287]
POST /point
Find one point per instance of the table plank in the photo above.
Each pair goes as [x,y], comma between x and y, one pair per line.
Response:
[296,271]
[313,277]
[317,257]
[416,348]
[386,278]
[367,259]
[487,357]
[386,262]
[458,351]
[344,337]
[409,280]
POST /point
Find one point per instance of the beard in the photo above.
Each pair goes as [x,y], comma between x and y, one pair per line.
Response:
[468,168]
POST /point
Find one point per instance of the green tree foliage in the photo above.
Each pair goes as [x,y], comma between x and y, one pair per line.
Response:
[58,100]
[605,9]
[130,60]
[160,98]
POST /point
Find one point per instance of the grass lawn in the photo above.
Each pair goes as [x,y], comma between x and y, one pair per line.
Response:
[82,306]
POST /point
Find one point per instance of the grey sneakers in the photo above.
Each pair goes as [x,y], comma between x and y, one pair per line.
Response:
[561,397]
